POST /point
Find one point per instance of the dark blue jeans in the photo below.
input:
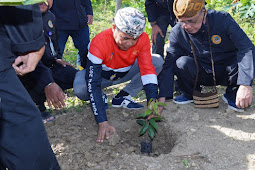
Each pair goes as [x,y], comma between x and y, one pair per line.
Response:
[23,139]
[225,75]
[80,40]
[163,22]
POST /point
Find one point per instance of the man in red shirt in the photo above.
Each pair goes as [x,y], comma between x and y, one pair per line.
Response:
[117,55]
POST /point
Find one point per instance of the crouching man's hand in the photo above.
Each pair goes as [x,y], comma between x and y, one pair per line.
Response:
[160,107]
[64,63]
[55,96]
[104,130]
[244,96]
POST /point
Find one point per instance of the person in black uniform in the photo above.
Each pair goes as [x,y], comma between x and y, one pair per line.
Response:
[73,18]
[58,75]
[23,139]
[160,15]
[232,51]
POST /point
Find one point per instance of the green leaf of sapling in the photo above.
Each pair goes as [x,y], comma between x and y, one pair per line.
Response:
[155,107]
[143,129]
[153,124]
[151,132]
[150,101]
[147,112]
[140,122]
[140,115]
[156,114]
[157,118]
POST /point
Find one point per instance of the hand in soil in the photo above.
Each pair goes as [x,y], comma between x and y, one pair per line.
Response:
[104,130]
[160,108]
[244,96]
[114,139]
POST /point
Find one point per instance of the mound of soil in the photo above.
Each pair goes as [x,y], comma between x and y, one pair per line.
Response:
[189,139]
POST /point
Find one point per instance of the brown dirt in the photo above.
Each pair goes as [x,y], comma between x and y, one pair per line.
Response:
[189,139]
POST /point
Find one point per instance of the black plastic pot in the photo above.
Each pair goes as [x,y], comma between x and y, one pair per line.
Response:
[146,147]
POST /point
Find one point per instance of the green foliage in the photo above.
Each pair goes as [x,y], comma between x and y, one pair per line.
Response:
[185,163]
[19,2]
[116,90]
[217,4]
[245,8]
[243,12]
[149,125]
[102,18]
[247,25]
[101,10]
[70,53]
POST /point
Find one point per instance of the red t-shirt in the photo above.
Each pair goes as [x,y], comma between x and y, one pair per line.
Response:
[103,50]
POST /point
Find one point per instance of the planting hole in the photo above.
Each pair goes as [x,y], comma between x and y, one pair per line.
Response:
[163,143]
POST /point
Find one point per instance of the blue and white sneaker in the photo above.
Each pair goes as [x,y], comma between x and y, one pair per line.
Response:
[182,100]
[126,102]
[105,100]
[231,105]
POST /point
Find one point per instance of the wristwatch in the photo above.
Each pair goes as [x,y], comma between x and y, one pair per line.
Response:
[153,23]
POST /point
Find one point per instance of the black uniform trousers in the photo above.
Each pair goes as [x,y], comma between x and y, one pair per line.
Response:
[23,139]
[226,75]
[163,22]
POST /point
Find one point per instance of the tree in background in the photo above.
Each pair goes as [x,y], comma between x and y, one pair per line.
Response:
[118,5]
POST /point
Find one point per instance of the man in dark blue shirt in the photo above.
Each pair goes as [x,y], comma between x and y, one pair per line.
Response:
[232,51]
[72,19]
[160,15]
